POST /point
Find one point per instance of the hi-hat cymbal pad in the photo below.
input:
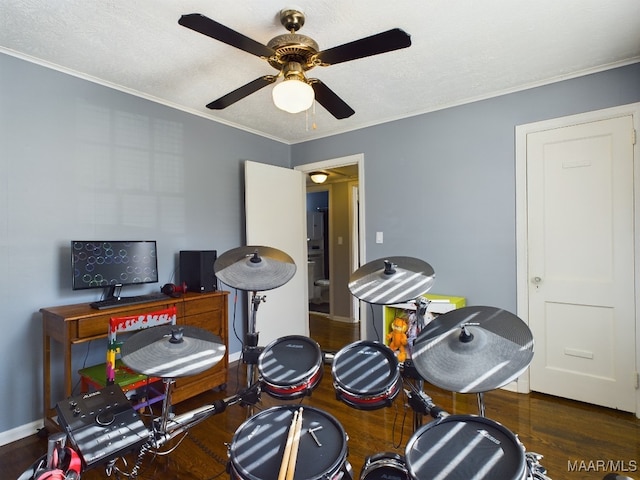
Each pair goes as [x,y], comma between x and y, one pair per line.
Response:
[473,349]
[254,268]
[391,280]
[172,351]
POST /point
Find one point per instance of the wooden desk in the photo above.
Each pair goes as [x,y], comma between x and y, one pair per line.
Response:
[74,324]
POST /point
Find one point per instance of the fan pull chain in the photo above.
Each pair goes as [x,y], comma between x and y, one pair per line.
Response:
[313,116]
[313,107]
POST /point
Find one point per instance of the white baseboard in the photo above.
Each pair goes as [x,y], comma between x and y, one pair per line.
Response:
[19,433]
[511,387]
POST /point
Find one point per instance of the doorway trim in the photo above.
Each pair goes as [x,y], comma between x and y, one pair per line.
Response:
[356,159]
[522,277]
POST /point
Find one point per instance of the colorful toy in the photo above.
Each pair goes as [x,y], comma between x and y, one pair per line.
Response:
[398,337]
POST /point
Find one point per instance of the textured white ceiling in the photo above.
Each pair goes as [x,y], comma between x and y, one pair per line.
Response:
[461,51]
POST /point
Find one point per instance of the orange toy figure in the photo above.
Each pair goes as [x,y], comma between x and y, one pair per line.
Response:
[398,337]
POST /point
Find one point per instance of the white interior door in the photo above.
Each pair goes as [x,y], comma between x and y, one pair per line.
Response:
[580,201]
[275,208]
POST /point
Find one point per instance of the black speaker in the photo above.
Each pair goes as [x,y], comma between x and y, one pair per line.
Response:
[196,270]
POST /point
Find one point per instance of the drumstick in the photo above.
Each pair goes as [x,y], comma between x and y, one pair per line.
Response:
[287,447]
[294,447]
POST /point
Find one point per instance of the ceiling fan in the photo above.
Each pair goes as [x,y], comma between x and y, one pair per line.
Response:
[293,54]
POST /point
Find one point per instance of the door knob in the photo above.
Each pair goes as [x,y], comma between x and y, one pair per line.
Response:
[536,280]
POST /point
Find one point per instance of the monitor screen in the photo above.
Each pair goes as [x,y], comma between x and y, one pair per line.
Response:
[100,264]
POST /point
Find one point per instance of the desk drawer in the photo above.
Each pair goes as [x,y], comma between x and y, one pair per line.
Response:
[93,326]
[210,321]
[206,303]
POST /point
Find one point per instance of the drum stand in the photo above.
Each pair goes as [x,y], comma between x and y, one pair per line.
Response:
[251,351]
[481,403]
[251,269]
[389,286]
[169,426]
[250,354]
[410,372]
[166,403]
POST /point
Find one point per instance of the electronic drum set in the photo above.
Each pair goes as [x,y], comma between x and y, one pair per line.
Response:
[468,350]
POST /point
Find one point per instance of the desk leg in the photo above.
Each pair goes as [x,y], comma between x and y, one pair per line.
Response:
[49,410]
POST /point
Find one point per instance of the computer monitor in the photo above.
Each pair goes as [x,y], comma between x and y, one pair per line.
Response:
[113,264]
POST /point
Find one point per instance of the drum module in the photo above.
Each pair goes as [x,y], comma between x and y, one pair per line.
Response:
[102,425]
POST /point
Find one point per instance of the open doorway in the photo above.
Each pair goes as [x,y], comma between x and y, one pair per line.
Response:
[335,238]
[318,249]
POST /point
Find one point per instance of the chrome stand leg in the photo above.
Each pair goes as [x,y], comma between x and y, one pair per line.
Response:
[166,404]
[251,349]
[481,403]
[417,416]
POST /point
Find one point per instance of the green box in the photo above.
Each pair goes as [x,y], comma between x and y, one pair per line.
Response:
[438,304]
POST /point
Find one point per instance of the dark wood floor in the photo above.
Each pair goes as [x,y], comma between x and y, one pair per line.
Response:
[578,441]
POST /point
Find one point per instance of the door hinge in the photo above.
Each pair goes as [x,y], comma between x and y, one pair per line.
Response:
[637,380]
[634,136]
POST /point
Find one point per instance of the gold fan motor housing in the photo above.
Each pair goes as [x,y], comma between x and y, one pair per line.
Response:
[293,47]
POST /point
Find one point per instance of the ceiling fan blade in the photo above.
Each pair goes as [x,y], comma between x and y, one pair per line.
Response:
[239,93]
[213,29]
[388,41]
[329,100]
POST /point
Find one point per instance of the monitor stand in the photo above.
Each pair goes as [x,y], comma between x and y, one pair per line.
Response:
[113,291]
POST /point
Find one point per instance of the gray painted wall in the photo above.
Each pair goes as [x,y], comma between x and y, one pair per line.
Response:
[78,160]
[441,186]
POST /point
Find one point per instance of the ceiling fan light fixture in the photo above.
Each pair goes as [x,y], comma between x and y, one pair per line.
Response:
[293,95]
[318,177]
